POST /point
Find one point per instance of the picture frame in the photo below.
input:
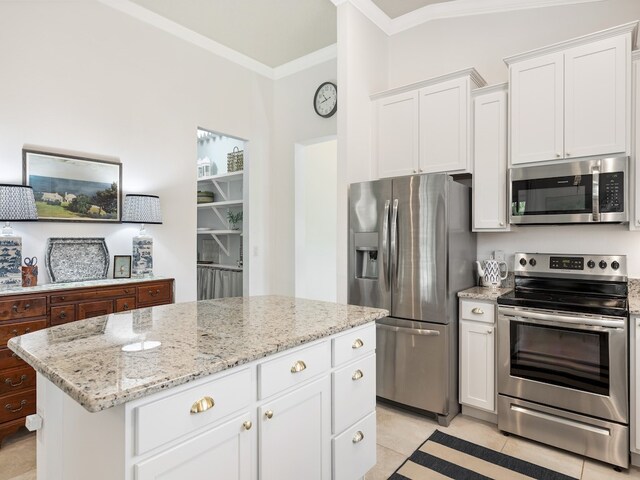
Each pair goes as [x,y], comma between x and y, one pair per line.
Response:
[122,266]
[70,188]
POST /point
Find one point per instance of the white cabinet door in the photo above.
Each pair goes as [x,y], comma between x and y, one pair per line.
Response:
[490,162]
[444,118]
[396,135]
[634,220]
[635,385]
[536,109]
[295,433]
[596,98]
[225,450]
[477,365]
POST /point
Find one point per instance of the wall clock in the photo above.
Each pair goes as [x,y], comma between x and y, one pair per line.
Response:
[325,101]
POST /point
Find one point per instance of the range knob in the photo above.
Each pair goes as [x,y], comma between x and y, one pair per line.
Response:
[615,265]
[591,264]
[523,262]
[603,264]
[532,262]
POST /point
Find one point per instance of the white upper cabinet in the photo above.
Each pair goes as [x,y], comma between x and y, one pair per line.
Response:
[397,149]
[572,99]
[634,219]
[425,127]
[596,90]
[489,192]
[536,109]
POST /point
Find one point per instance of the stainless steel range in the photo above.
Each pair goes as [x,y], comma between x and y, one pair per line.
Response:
[563,355]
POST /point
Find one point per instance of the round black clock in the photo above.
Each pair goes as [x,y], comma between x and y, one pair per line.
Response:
[325,101]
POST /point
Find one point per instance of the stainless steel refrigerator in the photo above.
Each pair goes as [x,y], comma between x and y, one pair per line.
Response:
[411,250]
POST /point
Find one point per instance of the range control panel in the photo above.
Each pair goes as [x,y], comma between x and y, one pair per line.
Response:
[557,265]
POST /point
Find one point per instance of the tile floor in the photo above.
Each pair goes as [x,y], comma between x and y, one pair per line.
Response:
[399,434]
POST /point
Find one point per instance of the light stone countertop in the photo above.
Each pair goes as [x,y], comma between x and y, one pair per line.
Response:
[483,293]
[634,296]
[52,287]
[85,358]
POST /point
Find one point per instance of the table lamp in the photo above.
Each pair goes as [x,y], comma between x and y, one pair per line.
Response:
[17,204]
[142,209]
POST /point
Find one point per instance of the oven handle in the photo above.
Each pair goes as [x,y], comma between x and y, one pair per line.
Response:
[535,317]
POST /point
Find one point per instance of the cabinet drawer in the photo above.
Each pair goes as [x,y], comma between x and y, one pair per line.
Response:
[169,418]
[292,369]
[64,314]
[10,359]
[354,451]
[354,392]
[154,294]
[354,344]
[92,295]
[17,379]
[477,311]
[94,309]
[23,308]
[17,405]
[10,330]
[124,304]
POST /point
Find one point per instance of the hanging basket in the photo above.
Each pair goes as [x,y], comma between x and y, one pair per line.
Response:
[235,160]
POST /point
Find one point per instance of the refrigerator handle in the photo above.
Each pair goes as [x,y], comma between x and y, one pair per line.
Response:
[385,245]
[394,241]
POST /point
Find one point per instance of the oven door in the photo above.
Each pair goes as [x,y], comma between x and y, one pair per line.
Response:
[577,192]
[569,361]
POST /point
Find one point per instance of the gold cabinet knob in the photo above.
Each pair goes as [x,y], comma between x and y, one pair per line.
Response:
[357,375]
[558,155]
[269,414]
[247,425]
[357,344]
[298,367]
[477,311]
[202,405]
[568,154]
[358,437]
[489,332]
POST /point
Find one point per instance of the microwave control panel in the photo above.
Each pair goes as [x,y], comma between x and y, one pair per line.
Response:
[612,192]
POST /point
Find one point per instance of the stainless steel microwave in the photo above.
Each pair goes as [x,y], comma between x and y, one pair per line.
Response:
[582,191]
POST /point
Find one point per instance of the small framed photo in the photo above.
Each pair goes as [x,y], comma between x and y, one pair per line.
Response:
[122,266]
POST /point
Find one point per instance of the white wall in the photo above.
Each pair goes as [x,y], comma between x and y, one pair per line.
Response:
[482,41]
[82,77]
[315,220]
[362,70]
[295,121]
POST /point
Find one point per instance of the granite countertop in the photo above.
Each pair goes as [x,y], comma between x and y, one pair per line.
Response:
[50,287]
[86,358]
[634,296]
[483,293]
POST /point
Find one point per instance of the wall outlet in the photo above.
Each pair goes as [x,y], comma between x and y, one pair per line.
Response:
[498,255]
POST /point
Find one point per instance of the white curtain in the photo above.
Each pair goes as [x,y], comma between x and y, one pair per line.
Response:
[214,282]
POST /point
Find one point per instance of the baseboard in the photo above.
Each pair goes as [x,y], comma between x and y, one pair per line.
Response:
[480,414]
[635,459]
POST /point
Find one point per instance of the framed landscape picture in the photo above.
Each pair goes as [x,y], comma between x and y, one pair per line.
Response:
[75,189]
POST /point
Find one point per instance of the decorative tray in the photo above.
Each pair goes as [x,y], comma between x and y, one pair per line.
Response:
[76,259]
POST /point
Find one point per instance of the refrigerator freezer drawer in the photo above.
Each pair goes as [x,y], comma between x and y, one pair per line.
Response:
[413,363]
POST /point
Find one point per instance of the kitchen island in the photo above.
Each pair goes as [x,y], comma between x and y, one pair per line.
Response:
[239,388]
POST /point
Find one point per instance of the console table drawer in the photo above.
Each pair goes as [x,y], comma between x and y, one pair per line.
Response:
[10,330]
[79,296]
[10,359]
[154,294]
[23,308]
[63,314]
[17,405]
[17,379]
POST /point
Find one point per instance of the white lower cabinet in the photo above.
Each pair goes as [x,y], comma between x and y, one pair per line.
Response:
[354,450]
[635,387]
[293,433]
[225,450]
[477,359]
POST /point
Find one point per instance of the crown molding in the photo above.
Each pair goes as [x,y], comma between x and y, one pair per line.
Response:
[498,87]
[631,27]
[472,73]
[147,16]
[459,8]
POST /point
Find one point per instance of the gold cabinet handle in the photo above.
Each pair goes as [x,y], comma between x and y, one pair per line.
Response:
[358,437]
[477,311]
[202,405]
[298,367]
[357,375]
[269,414]
[247,425]
[357,344]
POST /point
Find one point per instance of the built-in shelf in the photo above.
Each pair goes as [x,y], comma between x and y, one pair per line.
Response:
[223,177]
[224,203]
[220,232]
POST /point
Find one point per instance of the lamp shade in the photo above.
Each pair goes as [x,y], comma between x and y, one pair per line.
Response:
[17,203]
[141,209]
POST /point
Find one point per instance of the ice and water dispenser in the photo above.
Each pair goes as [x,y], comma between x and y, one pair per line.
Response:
[366,247]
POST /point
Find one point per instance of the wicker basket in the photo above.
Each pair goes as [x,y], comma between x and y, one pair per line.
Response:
[235,160]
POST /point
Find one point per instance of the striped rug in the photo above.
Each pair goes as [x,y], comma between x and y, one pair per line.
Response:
[443,456]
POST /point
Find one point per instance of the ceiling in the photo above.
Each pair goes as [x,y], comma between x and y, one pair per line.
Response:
[396,8]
